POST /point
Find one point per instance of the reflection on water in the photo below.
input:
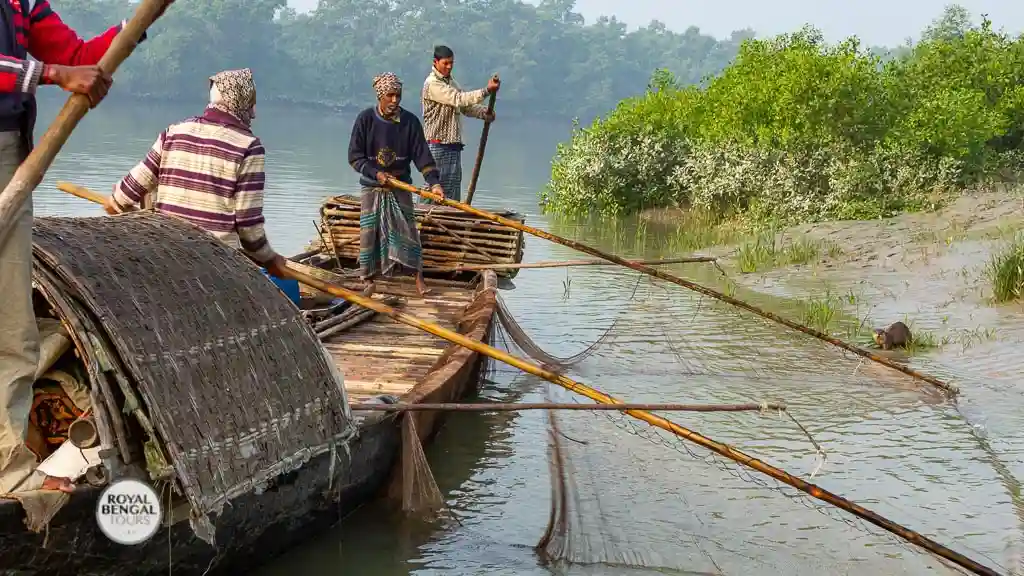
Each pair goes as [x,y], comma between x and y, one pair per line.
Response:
[892,444]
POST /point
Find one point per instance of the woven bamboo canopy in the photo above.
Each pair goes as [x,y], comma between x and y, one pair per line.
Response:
[191,353]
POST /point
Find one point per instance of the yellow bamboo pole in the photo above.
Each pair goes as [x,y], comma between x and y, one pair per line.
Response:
[657,421]
[522,406]
[563,264]
[82,192]
[948,388]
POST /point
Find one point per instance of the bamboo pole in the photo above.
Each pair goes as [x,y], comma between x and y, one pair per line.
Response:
[517,407]
[301,255]
[352,320]
[657,421]
[566,264]
[950,389]
[480,151]
[82,192]
[31,172]
[458,237]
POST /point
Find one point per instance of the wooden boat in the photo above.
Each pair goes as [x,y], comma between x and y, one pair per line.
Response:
[204,377]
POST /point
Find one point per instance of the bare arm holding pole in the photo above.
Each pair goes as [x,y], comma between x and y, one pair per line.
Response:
[31,171]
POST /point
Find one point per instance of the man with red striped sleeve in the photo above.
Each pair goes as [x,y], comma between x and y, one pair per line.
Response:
[30,28]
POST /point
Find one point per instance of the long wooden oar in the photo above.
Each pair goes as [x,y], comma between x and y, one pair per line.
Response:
[652,419]
[480,151]
[83,193]
[950,389]
[30,173]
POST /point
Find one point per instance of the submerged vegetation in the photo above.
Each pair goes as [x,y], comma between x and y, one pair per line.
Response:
[844,316]
[797,129]
[765,252]
[1005,271]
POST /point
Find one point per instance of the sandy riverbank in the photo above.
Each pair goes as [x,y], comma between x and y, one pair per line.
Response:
[919,265]
[928,270]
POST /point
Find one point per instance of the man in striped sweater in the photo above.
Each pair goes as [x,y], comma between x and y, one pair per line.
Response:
[208,170]
[30,28]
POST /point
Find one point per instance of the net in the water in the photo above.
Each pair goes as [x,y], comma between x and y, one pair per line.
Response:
[652,503]
[420,495]
[627,496]
[516,334]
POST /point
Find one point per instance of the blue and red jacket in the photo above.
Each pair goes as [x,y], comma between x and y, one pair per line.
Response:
[31,27]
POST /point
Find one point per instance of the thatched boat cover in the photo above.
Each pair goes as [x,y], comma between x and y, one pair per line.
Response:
[234,380]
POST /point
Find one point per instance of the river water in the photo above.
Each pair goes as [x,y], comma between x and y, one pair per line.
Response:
[892,445]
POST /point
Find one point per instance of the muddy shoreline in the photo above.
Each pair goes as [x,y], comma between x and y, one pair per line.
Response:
[916,265]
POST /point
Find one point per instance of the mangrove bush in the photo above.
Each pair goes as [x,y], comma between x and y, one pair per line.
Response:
[800,129]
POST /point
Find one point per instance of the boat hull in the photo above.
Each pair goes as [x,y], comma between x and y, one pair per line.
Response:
[252,530]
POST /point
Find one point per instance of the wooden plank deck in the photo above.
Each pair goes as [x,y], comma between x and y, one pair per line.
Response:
[382,356]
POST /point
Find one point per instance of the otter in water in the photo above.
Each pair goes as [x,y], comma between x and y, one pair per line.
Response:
[895,336]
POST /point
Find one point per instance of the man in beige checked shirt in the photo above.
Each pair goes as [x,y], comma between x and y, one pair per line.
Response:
[444,104]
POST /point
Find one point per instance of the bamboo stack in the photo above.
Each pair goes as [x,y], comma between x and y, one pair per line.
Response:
[449,236]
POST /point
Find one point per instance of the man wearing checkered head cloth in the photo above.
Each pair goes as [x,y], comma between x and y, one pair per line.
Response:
[209,170]
[385,140]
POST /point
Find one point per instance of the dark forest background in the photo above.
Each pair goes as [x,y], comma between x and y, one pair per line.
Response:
[552,62]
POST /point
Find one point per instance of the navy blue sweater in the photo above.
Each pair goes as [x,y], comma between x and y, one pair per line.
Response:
[379,144]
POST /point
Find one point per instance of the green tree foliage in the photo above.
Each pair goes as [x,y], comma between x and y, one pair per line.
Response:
[553,63]
[798,129]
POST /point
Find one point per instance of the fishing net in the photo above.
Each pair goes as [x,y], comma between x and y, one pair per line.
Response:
[631,498]
[592,526]
[515,332]
[420,494]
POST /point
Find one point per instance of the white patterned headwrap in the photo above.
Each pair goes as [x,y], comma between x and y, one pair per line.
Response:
[386,83]
[234,92]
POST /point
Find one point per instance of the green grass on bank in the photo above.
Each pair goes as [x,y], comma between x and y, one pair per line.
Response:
[1005,272]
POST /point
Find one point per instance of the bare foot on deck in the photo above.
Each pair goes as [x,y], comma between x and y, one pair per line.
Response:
[61,484]
[369,287]
[421,286]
